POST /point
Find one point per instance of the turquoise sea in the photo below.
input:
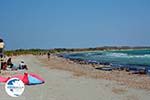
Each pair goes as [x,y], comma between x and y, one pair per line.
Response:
[132,58]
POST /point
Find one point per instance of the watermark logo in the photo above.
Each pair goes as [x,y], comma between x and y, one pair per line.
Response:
[14,87]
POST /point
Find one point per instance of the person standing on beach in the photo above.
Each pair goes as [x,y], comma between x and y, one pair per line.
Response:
[48,55]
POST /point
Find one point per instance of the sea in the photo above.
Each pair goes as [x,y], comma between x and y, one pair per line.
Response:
[115,58]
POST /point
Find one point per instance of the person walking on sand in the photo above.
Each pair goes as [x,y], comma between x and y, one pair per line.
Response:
[48,55]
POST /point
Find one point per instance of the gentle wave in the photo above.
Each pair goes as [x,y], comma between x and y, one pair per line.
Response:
[123,55]
[116,55]
[131,58]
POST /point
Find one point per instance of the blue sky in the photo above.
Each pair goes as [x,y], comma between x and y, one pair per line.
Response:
[74,23]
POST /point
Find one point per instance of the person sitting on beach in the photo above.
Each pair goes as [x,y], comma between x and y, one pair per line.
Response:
[9,63]
[22,65]
[4,66]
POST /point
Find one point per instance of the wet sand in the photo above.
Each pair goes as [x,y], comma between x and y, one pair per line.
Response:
[66,80]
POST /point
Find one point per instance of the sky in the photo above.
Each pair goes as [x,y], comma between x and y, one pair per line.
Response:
[74,23]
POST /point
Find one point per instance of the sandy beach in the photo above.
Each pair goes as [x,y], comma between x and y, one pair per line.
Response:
[66,80]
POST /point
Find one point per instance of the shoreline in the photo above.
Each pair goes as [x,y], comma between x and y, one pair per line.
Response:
[135,69]
[122,77]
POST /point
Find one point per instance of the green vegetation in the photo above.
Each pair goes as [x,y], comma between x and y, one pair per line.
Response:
[61,50]
[25,52]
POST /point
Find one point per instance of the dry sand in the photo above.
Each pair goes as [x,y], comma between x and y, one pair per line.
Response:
[122,77]
[68,81]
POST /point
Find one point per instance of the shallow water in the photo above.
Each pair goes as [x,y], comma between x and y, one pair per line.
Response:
[138,58]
